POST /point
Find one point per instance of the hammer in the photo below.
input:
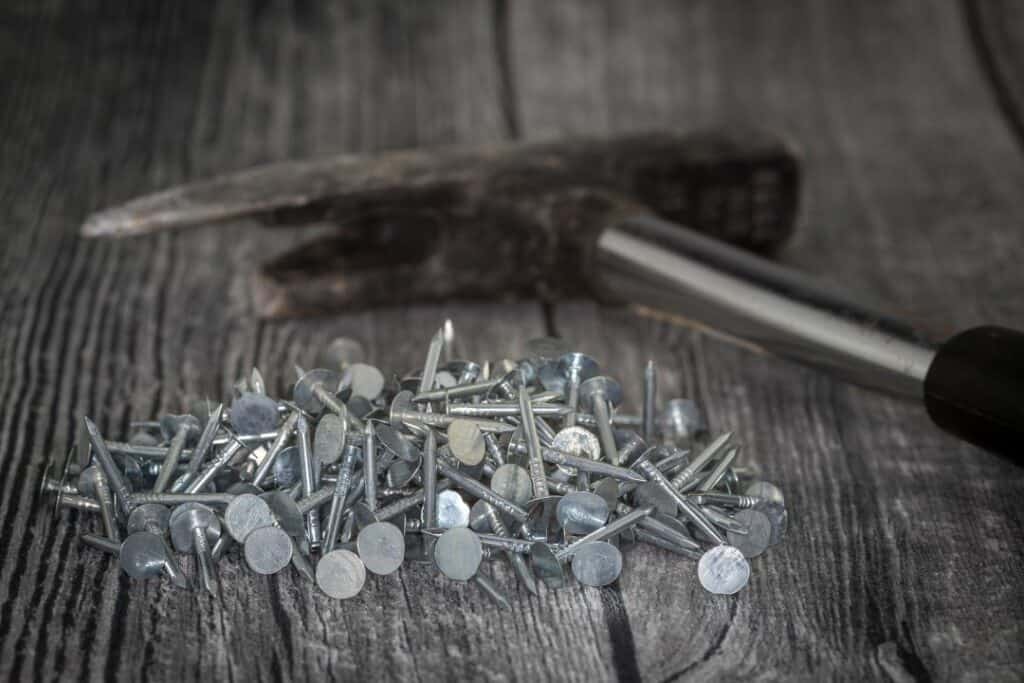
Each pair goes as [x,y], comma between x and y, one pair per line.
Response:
[604,218]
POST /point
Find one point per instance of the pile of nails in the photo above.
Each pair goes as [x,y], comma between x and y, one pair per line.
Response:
[525,461]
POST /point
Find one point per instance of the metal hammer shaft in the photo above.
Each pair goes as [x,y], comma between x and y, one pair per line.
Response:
[971,385]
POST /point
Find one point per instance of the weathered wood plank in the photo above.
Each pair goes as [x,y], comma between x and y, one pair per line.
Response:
[910,196]
[123,330]
[997,33]
[900,560]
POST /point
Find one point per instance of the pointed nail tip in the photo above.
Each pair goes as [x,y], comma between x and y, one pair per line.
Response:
[92,430]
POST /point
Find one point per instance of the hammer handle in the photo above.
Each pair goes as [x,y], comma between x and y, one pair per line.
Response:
[975,389]
[972,385]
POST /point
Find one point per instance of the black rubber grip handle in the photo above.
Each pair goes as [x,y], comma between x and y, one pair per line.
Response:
[975,389]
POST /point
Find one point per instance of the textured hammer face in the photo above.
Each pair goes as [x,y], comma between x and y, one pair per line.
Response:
[517,220]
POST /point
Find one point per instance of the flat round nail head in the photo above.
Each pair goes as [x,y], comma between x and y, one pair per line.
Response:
[551,377]
[396,444]
[86,482]
[581,512]
[246,513]
[542,519]
[364,380]
[458,553]
[452,510]
[381,547]
[682,420]
[466,442]
[340,574]
[329,439]
[148,517]
[723,570]
[169,425]
[445,380]
[401,403]
[144,438]
[143,555]
[268,550]
[583,365]
[479,516]
[401,473]
[303,394]
[597,564]
[240,487]
[577,441]
[457,368]
[189,516]
[203,409]
[777,516]
[546,566]
[608,489]
[758,536]
[287,467]
[286,512]
[359,407]
[253,413]
[547,348]
[766,491]
[341,352]
[602,387]
[512,482]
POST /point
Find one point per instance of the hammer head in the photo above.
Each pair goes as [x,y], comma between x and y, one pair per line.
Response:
[497,221]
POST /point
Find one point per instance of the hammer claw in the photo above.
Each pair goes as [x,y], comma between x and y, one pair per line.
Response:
[275,193]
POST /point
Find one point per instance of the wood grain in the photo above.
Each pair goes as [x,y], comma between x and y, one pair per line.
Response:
[902,560]
[909,171]
[120,331]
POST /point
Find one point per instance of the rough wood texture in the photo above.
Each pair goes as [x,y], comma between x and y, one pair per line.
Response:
[903,558]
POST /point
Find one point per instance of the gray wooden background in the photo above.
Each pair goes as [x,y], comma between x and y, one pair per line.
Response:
[904,558]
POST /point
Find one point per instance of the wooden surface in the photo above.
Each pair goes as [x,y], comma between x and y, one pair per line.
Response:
[904,558]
